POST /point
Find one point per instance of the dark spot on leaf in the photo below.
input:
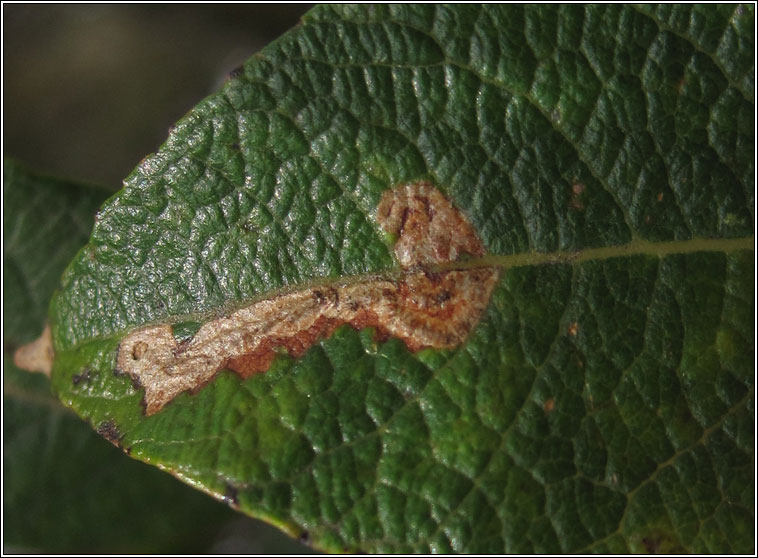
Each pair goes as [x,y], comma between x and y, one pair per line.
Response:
[434,277]
[442,297]
[139,349]
[109,431]
[305,537]
[236,72]
[652,544]
[236,146]
[183,345]
[404,219]
[425,206]
[76,379]
[329,295]
[230,495]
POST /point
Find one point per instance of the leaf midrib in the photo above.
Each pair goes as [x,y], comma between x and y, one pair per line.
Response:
[504,262]
[633,248]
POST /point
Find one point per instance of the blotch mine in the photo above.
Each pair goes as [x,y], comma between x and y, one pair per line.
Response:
[430,305]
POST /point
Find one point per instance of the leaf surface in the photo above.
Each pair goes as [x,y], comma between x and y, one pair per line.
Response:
[604,402]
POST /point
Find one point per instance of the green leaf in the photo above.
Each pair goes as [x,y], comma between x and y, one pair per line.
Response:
[65,488]
[605,400]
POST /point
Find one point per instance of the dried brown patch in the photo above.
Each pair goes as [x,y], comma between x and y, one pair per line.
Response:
[423,308]
[573,329]
[430,229]
[38,355]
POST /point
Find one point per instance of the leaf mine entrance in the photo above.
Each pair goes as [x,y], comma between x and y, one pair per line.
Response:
[422,307]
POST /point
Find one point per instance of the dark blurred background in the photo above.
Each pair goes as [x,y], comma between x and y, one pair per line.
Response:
[89,90]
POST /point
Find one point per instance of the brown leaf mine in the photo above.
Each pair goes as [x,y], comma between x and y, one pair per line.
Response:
[422,307]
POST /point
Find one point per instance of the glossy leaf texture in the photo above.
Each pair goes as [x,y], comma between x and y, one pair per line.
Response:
[65,488]
[605,401]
